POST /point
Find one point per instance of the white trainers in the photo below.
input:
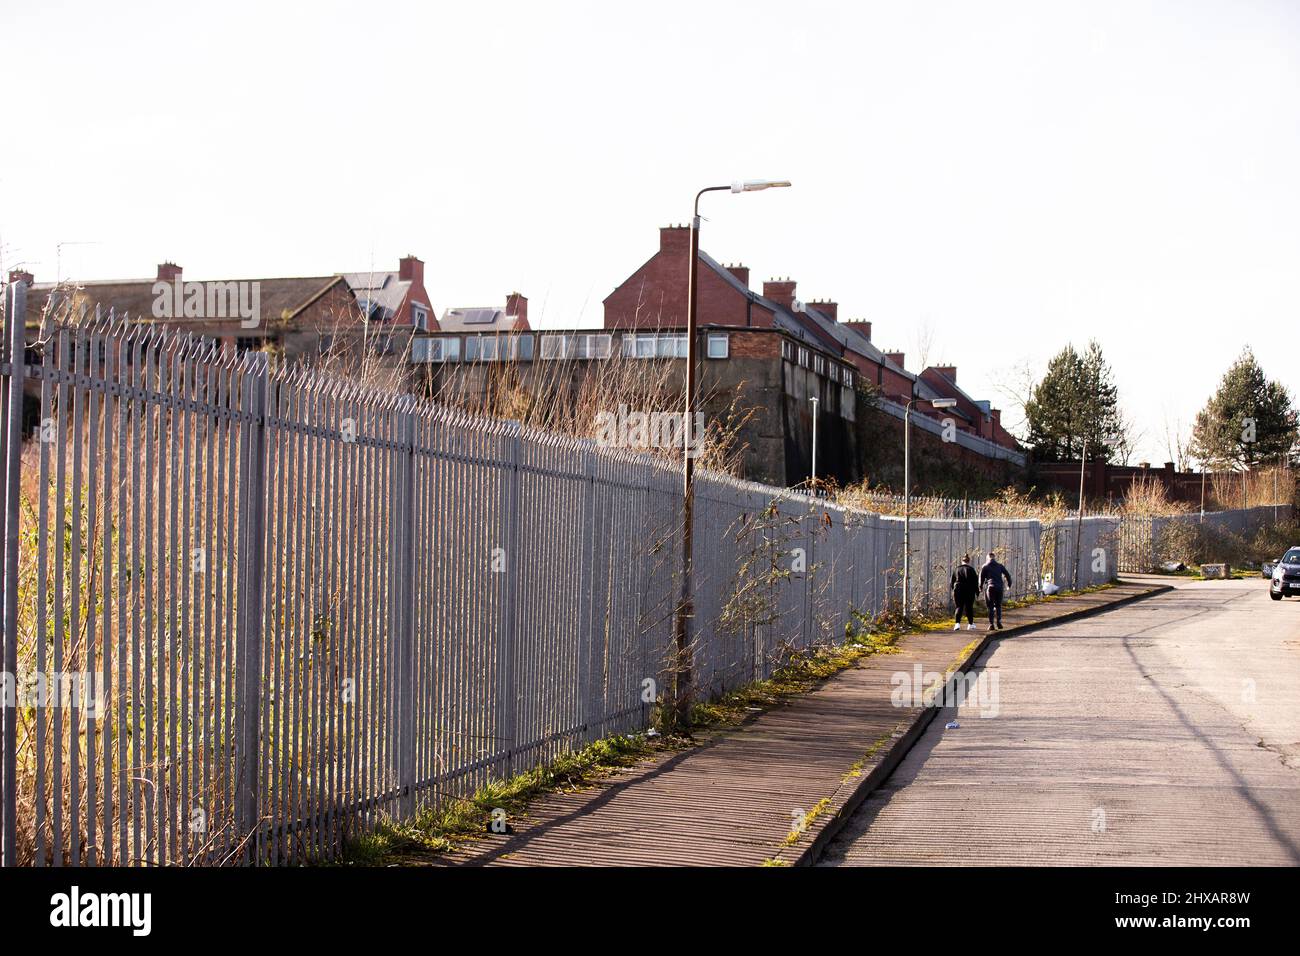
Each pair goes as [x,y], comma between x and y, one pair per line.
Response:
[970,627]
[957,626]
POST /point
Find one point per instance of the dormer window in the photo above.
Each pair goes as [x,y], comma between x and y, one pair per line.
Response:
[420,317]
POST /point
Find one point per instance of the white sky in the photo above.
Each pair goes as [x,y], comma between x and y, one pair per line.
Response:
[1010,175]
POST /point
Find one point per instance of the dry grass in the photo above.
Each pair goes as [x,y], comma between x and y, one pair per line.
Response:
[568,396]
[1148,497]
[1274,485]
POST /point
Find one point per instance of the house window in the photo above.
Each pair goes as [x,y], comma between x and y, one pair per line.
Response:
[718,347]
[439,349]
[242,344]
[650,345]
[592,346]
[555,346]
[787,350]
[420,318]
[833,373]
[482,348]
[803,356]
[522,348]
[819,365]
[848,378]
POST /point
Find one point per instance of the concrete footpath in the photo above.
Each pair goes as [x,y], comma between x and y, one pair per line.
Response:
[774,789]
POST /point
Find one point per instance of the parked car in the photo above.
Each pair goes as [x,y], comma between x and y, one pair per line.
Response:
[1286,576]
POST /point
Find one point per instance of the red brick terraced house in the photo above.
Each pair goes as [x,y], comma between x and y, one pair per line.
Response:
[295,318]
[776,352]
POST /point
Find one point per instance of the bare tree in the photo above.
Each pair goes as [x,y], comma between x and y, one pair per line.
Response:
[1016,384]
[924,343]
[1178,443]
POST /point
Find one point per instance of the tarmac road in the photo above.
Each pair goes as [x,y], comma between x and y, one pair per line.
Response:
[1166,732]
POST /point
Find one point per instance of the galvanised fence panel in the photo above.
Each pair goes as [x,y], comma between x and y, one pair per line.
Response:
[250,612]
[1139,534]
[1084,554]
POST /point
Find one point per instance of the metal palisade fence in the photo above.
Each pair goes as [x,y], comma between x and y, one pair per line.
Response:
[1140,535]
[248,613]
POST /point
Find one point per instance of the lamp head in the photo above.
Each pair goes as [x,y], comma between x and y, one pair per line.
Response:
[753,185]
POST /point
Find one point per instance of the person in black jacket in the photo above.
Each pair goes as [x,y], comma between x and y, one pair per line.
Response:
[991,576]
[965,588]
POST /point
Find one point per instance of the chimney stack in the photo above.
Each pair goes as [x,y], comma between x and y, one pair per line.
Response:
[830,308]
[411,269]
[780,291]
[517,308]
[21,275]
[947,371]
[168,271]
[896,358]
[861,327]
[675,240]
[741,273]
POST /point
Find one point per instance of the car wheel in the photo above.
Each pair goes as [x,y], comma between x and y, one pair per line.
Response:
[1275,595]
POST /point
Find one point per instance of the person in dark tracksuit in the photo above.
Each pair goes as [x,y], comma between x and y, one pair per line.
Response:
[991,576]
[965,589]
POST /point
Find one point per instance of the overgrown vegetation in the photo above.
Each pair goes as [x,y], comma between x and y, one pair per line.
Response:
[1194,543]
[442,827]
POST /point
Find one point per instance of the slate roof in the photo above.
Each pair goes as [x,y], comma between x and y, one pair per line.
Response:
[382,293]
[476,319]
[811,325]
[134,298]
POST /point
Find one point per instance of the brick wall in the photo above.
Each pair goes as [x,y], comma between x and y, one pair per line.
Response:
[655,296]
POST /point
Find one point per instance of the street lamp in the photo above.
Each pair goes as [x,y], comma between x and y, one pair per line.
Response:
[907,492]
[685,607]
[814,401]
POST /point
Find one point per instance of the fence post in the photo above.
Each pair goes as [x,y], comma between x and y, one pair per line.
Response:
[810,569]
[402,611]
[248,662]
[587,625]
[16,319]
[506,730]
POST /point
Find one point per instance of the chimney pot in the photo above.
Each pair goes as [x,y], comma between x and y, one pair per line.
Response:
[21,275]
[897,358]
[167,271]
